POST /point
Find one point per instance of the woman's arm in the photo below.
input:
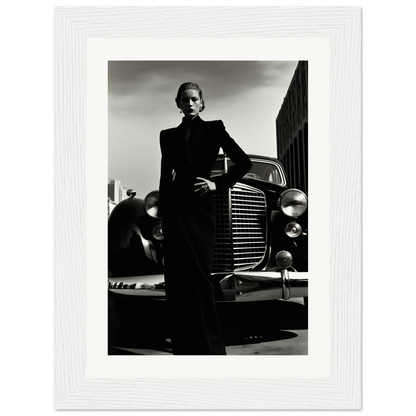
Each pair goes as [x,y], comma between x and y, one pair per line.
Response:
[242,163]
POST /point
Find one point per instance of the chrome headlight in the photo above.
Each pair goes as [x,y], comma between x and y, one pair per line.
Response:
[151,203]
[158,232]
[293,230]
[293,202]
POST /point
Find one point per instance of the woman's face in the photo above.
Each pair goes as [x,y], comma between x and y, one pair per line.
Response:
[190,103]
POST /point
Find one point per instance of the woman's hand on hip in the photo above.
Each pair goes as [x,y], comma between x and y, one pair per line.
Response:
[205,186]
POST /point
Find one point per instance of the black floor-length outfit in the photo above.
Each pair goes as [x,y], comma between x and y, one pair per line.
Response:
[190,151]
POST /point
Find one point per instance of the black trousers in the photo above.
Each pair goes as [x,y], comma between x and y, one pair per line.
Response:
[189,228]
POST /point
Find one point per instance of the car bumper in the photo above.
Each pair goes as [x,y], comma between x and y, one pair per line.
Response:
[236,286]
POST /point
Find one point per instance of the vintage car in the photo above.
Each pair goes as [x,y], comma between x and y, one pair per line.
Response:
[261,244]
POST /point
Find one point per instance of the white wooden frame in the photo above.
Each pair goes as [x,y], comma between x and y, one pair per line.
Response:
[342,28]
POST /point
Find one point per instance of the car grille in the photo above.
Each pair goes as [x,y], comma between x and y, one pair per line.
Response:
[241,241]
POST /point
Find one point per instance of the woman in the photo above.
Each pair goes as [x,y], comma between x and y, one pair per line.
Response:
[189,152]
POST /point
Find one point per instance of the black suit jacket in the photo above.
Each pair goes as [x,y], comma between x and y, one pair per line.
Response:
[195,157]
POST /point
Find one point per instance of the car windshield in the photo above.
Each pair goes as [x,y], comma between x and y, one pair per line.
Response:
[264,171]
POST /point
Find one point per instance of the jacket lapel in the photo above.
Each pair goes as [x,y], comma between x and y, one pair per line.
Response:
[181,146]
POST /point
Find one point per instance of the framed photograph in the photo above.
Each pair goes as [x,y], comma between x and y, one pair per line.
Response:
[115,62]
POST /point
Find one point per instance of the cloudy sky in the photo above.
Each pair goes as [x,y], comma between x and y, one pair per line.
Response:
[246,96]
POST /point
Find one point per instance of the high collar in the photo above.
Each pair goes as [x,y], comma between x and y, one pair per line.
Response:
[188,122]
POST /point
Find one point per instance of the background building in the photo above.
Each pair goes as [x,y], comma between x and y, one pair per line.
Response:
[292,129]
[116,194]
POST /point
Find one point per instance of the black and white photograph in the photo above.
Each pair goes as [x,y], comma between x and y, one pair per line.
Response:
[208,207]
[202,170]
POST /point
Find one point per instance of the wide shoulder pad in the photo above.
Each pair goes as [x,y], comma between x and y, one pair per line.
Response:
[215,125]
[168,132]
[215,122]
